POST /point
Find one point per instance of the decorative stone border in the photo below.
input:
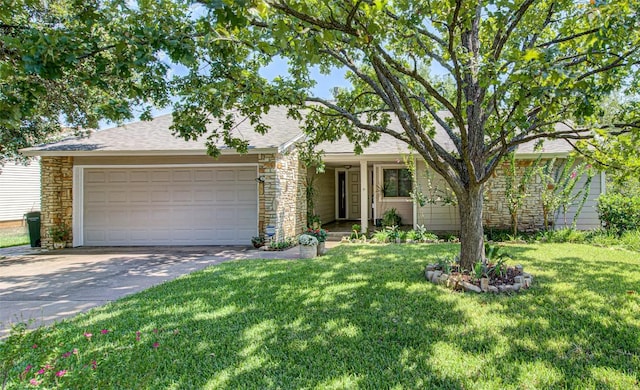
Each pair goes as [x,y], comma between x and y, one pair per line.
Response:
[456,281]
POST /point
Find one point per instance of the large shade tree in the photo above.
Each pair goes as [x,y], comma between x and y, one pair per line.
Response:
[518,70]
[73,63]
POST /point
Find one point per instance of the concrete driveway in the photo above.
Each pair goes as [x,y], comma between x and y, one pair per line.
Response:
[46,286]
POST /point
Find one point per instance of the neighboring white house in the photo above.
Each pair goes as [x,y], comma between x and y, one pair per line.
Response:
[19,191]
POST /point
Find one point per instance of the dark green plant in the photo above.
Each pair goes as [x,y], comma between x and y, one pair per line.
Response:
[479,270]
[619,213]
[393,232]
[493,253]
[381,236]
[257,241]
[498,268]
[391,218]
[355,229]
[60,233]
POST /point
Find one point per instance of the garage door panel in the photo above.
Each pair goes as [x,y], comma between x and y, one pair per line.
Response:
[170,206]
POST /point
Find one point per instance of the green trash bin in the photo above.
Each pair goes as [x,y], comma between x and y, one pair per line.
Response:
[33,223]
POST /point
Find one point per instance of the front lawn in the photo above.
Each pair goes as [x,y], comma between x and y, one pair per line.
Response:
[359,317]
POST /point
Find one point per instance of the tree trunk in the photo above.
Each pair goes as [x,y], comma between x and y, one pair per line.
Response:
[471,229]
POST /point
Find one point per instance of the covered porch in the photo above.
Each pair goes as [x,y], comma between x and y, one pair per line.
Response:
[357,190]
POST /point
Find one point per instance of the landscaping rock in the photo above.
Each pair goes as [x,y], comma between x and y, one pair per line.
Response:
[517,286]
[429,274]
[519,268]
[470,287]
[431,267]
[519,279]
[494,289]
[435,276]
[442,279]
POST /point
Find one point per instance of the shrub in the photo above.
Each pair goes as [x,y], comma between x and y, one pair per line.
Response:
[391,218]
[619,213]
[381,236]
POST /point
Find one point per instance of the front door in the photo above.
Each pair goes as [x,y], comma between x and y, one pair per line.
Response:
[342,195]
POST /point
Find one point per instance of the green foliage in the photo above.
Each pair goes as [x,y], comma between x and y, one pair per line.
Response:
[619,213]
[283,244]
[257,241]
[393,232]
[391,218]
[517,187]
[355,231]
[319,234]
[560,191]
[421,234]
[59,233]
[479,270]
[69,63]
[381,236]
[494,253]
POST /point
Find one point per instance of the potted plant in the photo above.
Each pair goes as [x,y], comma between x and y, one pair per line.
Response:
[257,241]
[321,235]
[308,246]
[391,218]
[59,234]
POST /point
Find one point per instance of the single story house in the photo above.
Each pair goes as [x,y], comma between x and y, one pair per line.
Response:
[137,184]
[19,192]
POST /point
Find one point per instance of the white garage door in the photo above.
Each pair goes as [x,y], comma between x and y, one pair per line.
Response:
[169,206]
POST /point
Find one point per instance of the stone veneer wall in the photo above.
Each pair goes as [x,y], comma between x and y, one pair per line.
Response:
[496,213]
[57,196]
[282,195]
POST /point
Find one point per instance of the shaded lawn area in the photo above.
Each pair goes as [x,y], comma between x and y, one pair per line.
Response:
[359,317]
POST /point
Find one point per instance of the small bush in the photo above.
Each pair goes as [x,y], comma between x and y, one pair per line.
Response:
[391,218]
[619,213]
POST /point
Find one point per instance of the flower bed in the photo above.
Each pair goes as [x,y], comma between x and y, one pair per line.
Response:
[512,279]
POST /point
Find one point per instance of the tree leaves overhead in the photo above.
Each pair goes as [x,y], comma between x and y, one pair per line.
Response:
[76,62]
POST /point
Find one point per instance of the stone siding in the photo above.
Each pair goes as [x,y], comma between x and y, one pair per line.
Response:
[57,196]
[282,194]
[496,212]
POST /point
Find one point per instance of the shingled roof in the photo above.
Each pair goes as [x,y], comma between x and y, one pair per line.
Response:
[154,137]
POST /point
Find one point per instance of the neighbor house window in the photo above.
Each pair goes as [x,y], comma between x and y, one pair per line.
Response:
[397,183]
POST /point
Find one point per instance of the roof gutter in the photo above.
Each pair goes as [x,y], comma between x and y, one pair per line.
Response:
[30,152]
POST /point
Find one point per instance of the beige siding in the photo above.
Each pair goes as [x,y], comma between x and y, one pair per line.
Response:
[437,215]
[325,204]
[19,190]
[588,218]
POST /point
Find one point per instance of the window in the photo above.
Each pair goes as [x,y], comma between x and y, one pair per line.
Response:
[397,183]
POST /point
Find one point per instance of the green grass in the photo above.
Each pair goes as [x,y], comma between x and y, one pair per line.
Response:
[360,317]
[13,237]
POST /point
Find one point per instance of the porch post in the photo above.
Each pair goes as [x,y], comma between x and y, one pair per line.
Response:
[364,196]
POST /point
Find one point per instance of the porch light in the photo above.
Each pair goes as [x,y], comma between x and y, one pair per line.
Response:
[260,179]
[347,167]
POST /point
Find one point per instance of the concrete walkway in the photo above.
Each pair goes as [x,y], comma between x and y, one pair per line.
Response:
[46,286]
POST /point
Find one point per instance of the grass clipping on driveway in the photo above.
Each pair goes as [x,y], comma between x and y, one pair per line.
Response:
[360,317]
